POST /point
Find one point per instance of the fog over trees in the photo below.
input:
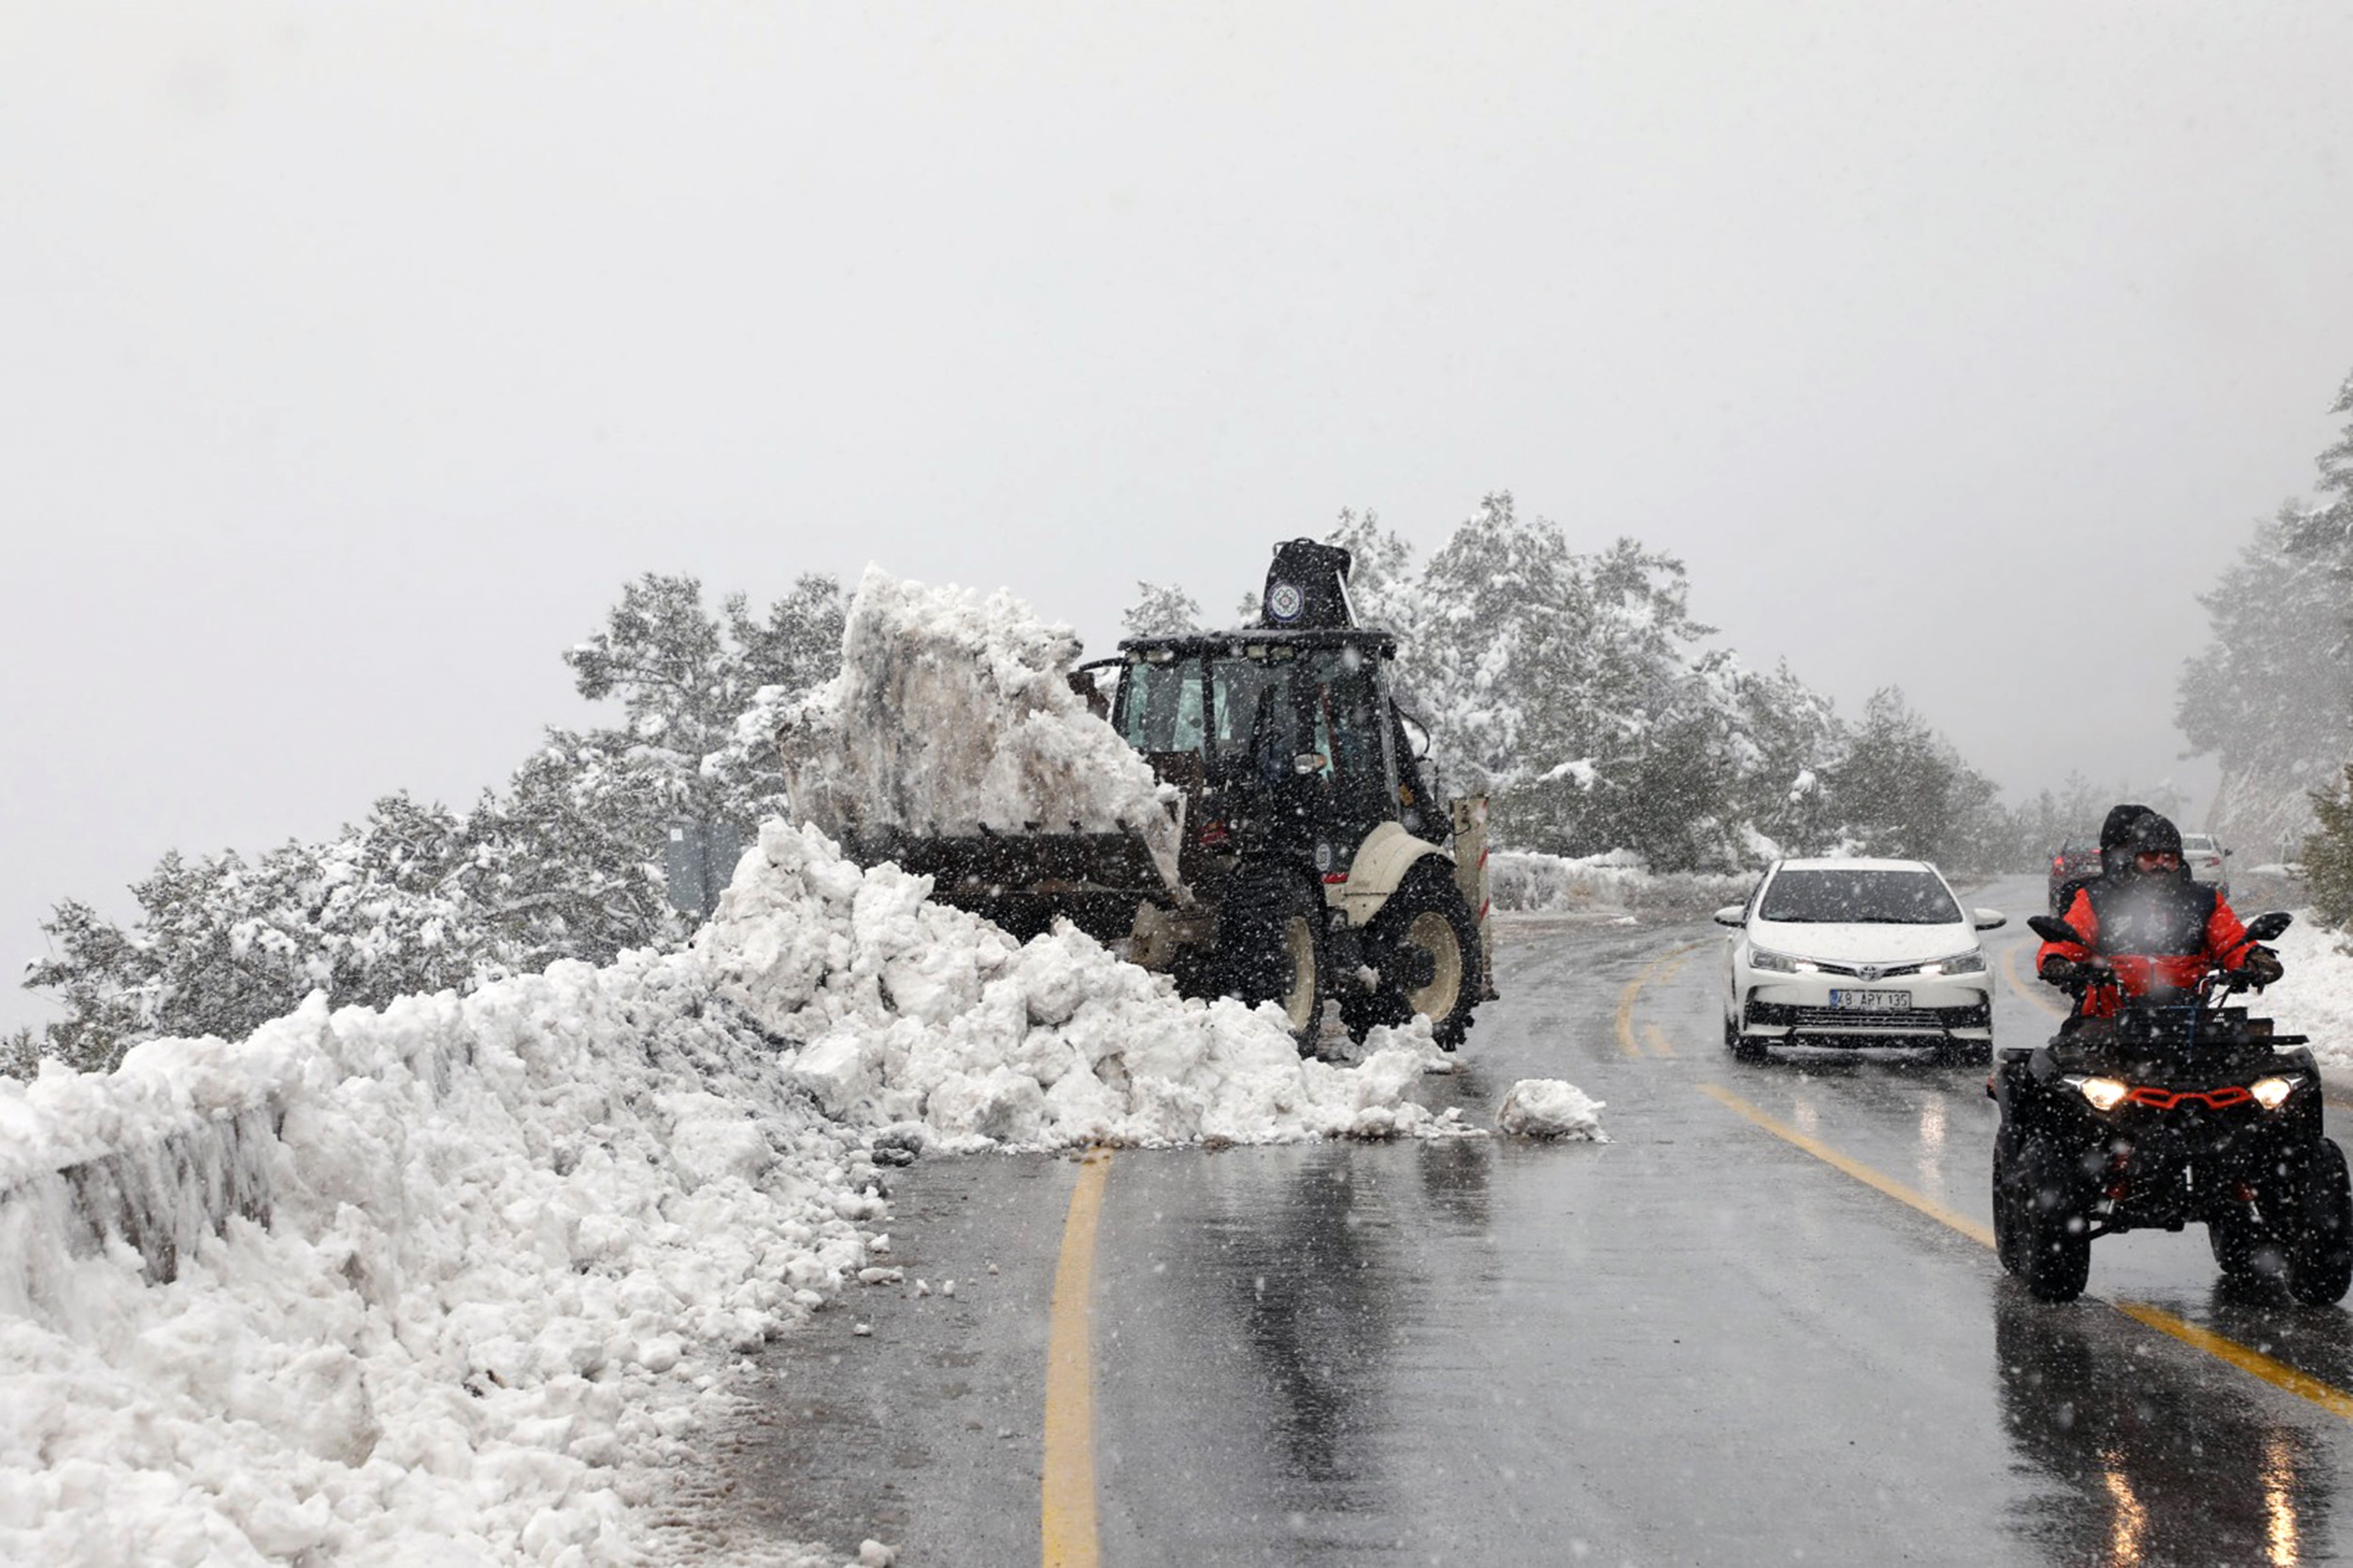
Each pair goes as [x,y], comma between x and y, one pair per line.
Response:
[1574,688]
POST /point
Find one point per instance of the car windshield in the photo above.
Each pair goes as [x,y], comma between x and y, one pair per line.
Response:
[2198,841]
[1858,898]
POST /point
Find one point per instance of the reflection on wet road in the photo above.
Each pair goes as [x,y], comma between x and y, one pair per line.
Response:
[1701,1342]
[2152,1466]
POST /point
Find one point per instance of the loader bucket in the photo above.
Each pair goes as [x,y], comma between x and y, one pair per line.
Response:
[1023,880]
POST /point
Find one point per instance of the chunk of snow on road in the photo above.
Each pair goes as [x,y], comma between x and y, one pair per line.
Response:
[1550,1107]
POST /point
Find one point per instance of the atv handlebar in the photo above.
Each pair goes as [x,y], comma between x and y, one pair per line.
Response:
[2096,972]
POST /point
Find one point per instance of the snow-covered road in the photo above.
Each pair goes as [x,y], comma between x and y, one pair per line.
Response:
[1699,1341]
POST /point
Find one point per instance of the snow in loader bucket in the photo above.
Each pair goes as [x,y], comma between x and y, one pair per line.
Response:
[952,744]
[1023,880]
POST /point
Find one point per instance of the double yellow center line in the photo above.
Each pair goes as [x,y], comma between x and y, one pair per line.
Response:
[1067,1526]
[2279,1375]
[1664,967]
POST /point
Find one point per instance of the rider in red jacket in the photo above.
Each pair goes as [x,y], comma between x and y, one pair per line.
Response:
[2158,930]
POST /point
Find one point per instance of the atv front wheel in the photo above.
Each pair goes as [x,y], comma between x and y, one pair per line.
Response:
[2320,1255]
[2053,1222]
[2007,1183]
[2240,1242]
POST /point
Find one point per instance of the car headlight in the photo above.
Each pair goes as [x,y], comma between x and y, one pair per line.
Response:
[2270,1093]
[2104,1093]
[1780,962]
[1959,963]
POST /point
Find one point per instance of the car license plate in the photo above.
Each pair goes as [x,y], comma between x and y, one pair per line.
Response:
[1872,1001]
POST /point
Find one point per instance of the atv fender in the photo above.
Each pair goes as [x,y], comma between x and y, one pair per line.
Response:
[1386,855]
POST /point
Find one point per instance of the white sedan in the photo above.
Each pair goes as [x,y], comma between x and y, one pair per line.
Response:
[1857,953]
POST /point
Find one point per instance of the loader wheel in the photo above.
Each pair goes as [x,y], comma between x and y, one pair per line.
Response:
[1425,943]
[2053,1222]
[2320,1254]
[1271,949]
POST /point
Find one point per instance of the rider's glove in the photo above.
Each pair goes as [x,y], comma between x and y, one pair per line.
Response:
[2058,971]
[2263,966]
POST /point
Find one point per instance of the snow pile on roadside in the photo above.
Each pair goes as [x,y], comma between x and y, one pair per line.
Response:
[1550,1107]
[510,1238]
[2316,997]
[504,1237]
[906,1014]
[952,712]
[1525,881]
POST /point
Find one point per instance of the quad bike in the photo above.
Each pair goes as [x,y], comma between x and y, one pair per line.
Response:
[2175,1111]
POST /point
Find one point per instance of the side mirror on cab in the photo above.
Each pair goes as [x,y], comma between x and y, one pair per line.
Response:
[1732,915]
[1988,920]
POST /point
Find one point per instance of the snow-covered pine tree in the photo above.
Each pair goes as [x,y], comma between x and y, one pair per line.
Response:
[2270,694]
[1161,609]
[566,864]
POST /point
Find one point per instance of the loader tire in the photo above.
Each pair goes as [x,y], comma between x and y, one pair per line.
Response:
[1271,949]
[1425,942]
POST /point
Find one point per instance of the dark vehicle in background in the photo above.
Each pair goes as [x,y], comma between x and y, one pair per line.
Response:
[2073,863]
[2205,857]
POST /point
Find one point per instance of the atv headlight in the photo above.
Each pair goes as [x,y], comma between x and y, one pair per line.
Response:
[1780,962]
[2104,1093]
[2270,1093]
[1959,963]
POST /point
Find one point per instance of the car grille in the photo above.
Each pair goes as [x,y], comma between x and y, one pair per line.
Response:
[1850,1018]
[1880,971]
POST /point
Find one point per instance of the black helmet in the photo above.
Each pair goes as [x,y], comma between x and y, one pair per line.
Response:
[2155,834]
[2116,836]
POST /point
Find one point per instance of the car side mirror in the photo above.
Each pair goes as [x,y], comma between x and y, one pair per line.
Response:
[1989,919]
[1732,915]
[2228,853]
[2265,928]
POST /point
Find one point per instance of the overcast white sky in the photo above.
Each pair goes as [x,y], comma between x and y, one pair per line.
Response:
[352,357]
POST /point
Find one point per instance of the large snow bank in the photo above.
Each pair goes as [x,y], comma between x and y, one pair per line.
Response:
[1525,881]
[500,1247]
[905,1011]
[2316,997]
[953,712]
[498,1229]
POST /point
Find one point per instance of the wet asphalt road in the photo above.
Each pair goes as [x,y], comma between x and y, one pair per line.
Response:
[1698,1343]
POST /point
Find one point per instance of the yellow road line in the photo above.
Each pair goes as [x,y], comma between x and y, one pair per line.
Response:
[2333,1400]
[1067,1526]
[1855,1168]
[1662,967]
[1656,1042]
[2033,991]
